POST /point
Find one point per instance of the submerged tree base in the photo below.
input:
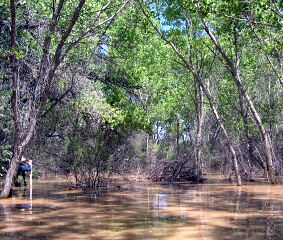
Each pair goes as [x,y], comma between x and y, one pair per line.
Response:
[177,171]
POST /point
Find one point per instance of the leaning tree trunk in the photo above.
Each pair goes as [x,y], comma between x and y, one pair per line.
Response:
[46,71]
[198,79]
[18,150]
[235,72]
[262,130]
[13,168]
[9,179]
[221,125]
[248,138]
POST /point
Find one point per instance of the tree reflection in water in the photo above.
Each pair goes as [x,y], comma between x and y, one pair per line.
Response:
[178,211]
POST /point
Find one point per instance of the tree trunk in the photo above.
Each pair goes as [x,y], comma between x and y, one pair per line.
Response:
[261,128]
[248,140]
[219,121]
[46,73]
[147,148]
[197,78]
[234,70]
[9,178]
[13,168]
[178,136]
[200,121]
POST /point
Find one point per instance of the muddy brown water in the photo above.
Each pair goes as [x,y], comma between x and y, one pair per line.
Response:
[158,212]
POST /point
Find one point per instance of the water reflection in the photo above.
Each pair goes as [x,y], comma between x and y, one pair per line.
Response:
[160,201]
[177,211]
[24,207]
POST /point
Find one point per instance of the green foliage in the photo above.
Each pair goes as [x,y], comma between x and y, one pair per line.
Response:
[127,79]
[5,156]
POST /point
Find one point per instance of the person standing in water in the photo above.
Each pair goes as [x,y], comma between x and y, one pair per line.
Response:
[24,166]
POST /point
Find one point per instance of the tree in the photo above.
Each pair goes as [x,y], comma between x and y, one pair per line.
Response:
[69,26]
[195,70]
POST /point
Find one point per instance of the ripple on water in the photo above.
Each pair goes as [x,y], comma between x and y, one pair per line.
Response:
[173,211]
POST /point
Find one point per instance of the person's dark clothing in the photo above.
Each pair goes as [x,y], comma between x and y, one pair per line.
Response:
[22,171]
[24,168]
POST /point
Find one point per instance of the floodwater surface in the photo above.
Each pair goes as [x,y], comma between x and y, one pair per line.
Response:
[157,212]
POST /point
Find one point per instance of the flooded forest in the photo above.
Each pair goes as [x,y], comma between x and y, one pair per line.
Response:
[141,119]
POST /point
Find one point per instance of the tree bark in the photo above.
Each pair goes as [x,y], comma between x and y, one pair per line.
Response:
[178,136]
[200,121]
[9,179]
